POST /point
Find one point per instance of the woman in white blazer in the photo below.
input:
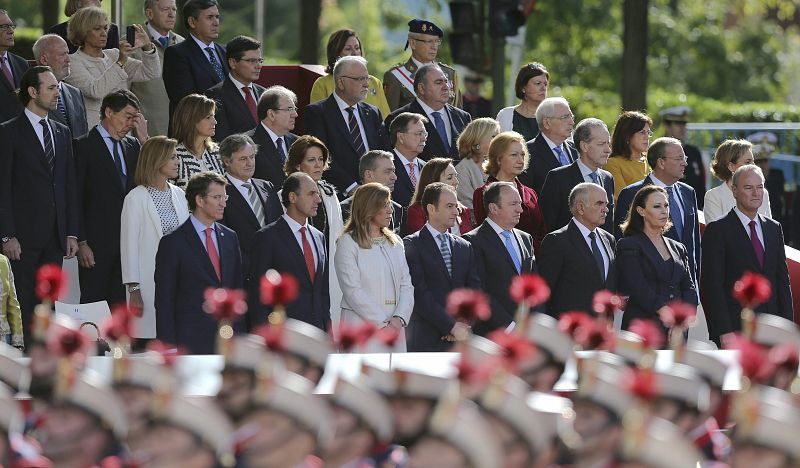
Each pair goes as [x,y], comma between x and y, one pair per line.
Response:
[151,210]
[719,201]
[371,264]
[310,155]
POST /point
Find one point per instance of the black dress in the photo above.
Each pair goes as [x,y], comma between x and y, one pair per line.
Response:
[528,127]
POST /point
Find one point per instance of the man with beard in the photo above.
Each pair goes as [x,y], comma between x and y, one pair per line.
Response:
[51,50]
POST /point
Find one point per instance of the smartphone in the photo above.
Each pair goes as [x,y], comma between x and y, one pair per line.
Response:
[130,35]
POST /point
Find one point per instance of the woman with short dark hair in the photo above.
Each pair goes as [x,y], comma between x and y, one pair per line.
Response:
[531,88]
[629,143]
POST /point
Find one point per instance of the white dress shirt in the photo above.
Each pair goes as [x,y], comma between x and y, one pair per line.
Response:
[295,227]
[746,223]
[37,128]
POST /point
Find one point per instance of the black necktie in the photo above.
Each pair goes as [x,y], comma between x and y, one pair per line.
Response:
[118,162]
[598,257]
[355,132]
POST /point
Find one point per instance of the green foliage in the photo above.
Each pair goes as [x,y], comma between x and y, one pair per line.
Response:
[23,41]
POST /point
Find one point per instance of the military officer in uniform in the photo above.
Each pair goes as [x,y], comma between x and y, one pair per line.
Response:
[424,38]
[675,120]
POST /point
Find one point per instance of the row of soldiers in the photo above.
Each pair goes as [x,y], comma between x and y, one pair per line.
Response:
[507,401]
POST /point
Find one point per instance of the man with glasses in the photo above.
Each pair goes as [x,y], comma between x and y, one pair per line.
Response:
[238,93]
[347,125]
[408,133]
[277,111]
[424,38]
[551,148]
[12,67]
[675,120]
[200,254]
[668,161]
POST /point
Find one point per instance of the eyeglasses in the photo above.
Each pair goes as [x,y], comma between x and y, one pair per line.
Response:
[417,134]
[288,109]
[648,133]
[217,198]
[684,159]
[253,61]
[564,117]
[6,27]
[360,79]
[428,41]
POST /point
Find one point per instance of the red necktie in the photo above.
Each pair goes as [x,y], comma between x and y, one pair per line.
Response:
[308,254]
[7,70]
[412,174]
[756,244]
[213,255]
[251,103]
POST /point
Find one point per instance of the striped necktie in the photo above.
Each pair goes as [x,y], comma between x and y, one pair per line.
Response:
[444,247]
[355,131]
[49,149]
[258,208]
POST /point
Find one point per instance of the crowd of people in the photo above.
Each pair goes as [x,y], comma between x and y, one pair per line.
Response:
[172,176]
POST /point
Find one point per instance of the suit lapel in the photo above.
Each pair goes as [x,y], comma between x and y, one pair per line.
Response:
[577,239]
[740,232]
[402,173]
[295,249]
[336,116]
[525,252]
[770,242]
[236,198]
[234,98]
[28,128]
[432,246]
[202,57]
[107,160]
[494,240]
[194,240]
[365,112]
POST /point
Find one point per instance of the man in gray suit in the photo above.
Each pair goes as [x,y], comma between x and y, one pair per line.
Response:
[51,50]
[161,15]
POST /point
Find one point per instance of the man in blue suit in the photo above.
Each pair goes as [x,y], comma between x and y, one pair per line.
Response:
[666,157]
[291,245]
[200,254]
[197,63]
[439,262]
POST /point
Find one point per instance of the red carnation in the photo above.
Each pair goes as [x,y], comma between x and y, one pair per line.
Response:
[351,336]
[468,305]
[752,359]
[531,288]
[514,348]
[678,314]
[642,383]
[51,282]
[752,290]
[273,337]
[468,373]
[652,336]
[224,304]
[278,289]
[169,353]
[69,343]
[785,356]
[570,322]
[388,336]
[595,335]
[605,303]
[120,325]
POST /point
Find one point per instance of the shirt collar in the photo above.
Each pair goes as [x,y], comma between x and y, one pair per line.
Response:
[103,132]
[272,134]
[584,230]
[495,226]
[550,142]
[199,226]
[744,219]
[239,85]
[34,118]
[433,231]
[203,45]
[342,105]
[403,159]
[429,110]
[236,182]
[294,225]
[418,63]
[657,182]
[155,34]
[585,170]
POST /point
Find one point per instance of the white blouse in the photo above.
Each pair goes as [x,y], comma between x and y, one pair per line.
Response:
[719,201]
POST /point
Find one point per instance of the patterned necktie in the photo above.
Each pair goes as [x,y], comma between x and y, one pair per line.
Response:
[281,151]
[512,251]
[213,255]
[118,162]
[759,249]
[7,70]
[164,41]
[212,58]
[675,212]
[598,257]
[258,208]
[355,131]
[62,109]
[594,177]
[444,248]
[562,157]
[412,174]
[308,254]
[251,103]
[49,150]
[438,122]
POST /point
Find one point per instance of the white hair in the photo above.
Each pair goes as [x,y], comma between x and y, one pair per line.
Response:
[547,108]
[747,168]
[343,62]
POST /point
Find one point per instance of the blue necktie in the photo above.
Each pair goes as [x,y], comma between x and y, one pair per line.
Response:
[562,157]
[62,109]
[118,162]
[595,178]
[675,213]
[444,247]
[212,58]
[164,40]
[512,251]
[438,122]
[281,151]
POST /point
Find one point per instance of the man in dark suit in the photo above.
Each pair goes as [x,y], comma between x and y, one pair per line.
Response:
[12,67]
[439,263]
[197,63]
[291,245]
[578,259]
[740,242]
[200,254]
[38,203]
[51,50]
[252,203]
[377,166]
[502,252]
[237,94]
[445,122]
[550,149]
[665,155]
[408,133]
[594,145]
[347,125]
[106,163]
[277,111]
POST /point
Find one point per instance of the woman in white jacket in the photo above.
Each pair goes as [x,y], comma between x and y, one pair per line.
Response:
[719,201]
[151,210]
[371,264]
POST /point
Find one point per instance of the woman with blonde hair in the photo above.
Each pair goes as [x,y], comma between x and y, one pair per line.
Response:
[194,125]
[508,157]
[72,7]
[437,170]
[473,147]
[151,210]
[629,143]
[371,263]
[730,155]
[97,71]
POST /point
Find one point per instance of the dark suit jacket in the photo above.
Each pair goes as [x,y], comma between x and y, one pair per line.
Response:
[648,280]
[269,166]
[543,160]
[566,263]
[403,190]
[432,284]
[241,218]
[187,70]
[33,198]
[324,120]
[434,146]
[496,270]
[10,105]
[727,255]
[554,197]
[112,41]
[232,115]
[183,272]
[275,247]
[691,226]
[399,213]
[100,190]
[76,110]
